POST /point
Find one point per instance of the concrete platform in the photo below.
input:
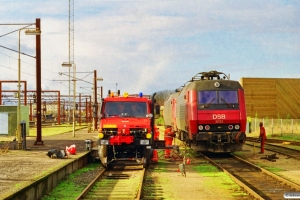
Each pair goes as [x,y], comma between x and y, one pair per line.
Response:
[21,168]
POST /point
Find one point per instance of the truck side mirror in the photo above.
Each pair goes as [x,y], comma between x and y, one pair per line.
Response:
[156,111]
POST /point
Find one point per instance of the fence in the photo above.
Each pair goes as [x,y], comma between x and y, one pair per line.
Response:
[274,127]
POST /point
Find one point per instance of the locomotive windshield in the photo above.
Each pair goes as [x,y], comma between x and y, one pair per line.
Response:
[227,97]
[129,109]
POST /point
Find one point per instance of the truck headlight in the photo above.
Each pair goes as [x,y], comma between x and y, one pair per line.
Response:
[105,142]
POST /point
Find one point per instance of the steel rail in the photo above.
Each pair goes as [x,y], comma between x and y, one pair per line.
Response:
[115,184]
[244,174]
[271,140]
[87,189]
[287,151]
[235,179]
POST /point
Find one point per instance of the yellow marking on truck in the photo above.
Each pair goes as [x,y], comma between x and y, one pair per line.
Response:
[109,126]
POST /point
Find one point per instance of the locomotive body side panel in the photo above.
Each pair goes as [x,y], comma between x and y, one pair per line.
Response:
[181,111]
[243,113]
[167,113]
[192,114]
[173,111]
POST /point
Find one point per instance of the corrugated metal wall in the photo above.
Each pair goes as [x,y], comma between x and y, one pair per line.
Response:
[272,97]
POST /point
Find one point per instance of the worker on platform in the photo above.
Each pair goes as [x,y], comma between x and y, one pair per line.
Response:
[168,136]
[262,137]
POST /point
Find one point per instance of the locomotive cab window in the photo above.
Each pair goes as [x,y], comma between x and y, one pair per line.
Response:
[228,97]
[207,97]
[222,97]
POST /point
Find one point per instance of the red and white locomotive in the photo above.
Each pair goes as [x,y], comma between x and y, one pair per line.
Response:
[208,112]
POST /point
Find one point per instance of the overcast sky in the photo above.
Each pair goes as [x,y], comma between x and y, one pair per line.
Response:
[147,45]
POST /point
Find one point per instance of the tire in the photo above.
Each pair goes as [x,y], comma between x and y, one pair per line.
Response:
[147,157]
[102,151]
[181,135]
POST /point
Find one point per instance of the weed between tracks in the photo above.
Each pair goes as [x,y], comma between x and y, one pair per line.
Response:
[224,181]
[72,186]
[271,169]
[4,146]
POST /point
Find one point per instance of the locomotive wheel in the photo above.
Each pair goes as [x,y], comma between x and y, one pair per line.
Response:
[102,151]
[147,158]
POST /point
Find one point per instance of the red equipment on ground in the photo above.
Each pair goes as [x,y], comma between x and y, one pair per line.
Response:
[71,149]
[168,136]
[155,153]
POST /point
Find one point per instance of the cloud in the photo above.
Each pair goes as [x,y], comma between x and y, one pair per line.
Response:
[155,45]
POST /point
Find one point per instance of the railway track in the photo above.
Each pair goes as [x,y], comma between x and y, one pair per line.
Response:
[289,152]
[115,184]
[278,141]
[259,183]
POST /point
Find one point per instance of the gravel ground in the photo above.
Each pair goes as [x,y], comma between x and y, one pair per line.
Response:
[21,167]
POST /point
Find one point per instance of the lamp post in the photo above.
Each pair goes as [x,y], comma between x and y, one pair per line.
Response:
[28,31]
[95,99]
[64,110]
[67,64]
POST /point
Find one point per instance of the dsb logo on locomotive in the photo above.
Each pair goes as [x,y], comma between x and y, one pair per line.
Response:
[219,116]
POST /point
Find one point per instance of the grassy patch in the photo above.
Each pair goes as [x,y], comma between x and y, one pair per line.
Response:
[269,168]
[238,153]
[224,181]
[206,169]
[72,186]
[289,137]
[161,167]
[55,130]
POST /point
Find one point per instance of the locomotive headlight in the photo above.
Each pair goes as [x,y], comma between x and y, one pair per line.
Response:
[148,135]
[217,84]
[230,127]
[200,127]
[100,135]
[237,127]
[207,127]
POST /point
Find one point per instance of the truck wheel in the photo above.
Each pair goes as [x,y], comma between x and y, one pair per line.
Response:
[102,151]
[147,156]
[187,139]
[180,135]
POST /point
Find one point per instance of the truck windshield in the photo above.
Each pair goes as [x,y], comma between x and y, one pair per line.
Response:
[129,109]
[217,97]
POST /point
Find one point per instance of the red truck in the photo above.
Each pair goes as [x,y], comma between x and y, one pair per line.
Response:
[127,135]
